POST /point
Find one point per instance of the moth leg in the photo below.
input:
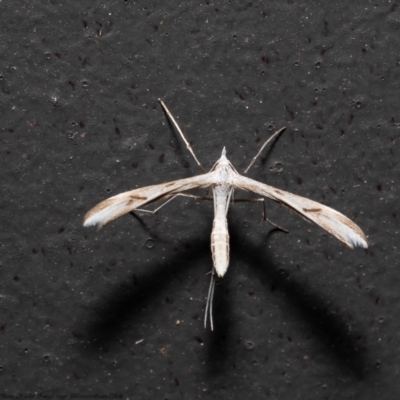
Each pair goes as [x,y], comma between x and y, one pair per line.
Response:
[210,298]
[262,147]
[188,146]
[172,198]
[264,211]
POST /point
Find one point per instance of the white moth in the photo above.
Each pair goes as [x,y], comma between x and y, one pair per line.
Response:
[223,179]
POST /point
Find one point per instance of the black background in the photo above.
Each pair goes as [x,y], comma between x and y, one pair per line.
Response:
[120,311]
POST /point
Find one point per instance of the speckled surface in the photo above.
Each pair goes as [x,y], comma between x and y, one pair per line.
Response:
[298,315]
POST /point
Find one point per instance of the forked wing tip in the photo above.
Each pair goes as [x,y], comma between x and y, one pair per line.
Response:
[106,212]
[360,242]
[89,221]
[98,219]
[355,239]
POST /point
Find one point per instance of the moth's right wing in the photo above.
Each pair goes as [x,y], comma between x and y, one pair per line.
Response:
[331,220]
[123,203]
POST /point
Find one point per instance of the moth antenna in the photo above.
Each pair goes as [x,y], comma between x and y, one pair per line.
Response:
[262,147]
[189,147]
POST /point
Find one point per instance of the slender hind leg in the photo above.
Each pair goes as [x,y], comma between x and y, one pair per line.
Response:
[172,198]
[264,212]
[210,298]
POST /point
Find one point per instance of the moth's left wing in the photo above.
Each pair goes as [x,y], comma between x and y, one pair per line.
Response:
[116,206]
[332,221]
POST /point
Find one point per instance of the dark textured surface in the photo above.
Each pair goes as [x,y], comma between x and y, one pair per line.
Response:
[298,316]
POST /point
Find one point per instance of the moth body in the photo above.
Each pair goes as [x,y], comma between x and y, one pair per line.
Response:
[219,233]
[222,193]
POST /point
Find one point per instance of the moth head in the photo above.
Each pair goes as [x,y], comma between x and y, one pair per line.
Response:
[223,160]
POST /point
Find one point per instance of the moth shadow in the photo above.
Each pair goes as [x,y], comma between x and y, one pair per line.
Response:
[342,346]
[123,307]
[125,304]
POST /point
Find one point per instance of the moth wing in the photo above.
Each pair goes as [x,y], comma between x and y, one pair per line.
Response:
[123,203]
[332,221]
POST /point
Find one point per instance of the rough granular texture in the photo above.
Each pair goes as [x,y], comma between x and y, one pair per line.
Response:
[120,311]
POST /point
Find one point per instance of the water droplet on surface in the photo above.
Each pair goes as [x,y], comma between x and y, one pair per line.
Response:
[249,344]
[277,167]
[149,243]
